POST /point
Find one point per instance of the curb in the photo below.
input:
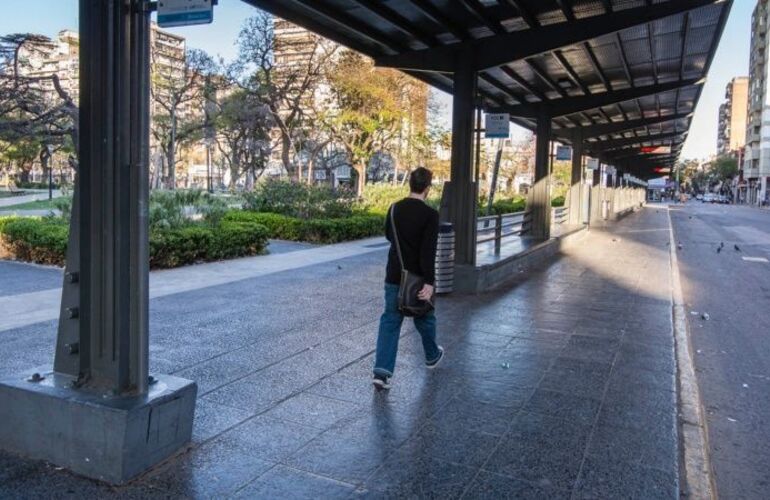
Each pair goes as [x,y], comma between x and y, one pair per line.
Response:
[696,467]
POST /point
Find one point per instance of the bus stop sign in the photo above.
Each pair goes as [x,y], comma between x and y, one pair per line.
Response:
[184,12]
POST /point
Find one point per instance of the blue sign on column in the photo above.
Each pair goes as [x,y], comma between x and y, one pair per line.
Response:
[184,12]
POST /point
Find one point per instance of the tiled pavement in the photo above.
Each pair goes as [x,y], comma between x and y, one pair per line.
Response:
[560,386]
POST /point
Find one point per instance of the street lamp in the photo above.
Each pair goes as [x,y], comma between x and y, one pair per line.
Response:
[47,159]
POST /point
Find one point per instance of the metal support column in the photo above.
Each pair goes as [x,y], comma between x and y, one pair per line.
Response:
[540,197]
[96,412]
[113,195]
[576,183]
[462,190]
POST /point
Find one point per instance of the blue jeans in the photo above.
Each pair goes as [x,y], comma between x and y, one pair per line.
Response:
[390,330]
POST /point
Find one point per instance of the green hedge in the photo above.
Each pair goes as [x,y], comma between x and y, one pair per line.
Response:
[44,241]
[558,201]
[35,240]
[314,230]
[510,206]
[190,244]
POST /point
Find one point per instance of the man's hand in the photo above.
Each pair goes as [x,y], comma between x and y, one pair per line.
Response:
[426,293]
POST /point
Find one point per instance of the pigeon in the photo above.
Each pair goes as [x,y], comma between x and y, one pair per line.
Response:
[719,250]
[722,245]
[679,246]
[737,248]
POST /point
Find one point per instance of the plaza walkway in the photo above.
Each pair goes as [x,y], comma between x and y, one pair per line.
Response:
[559,386]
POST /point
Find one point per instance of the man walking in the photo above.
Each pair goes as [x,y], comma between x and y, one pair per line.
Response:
[417,227]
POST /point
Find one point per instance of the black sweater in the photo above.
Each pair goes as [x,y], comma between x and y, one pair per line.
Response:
[417,226]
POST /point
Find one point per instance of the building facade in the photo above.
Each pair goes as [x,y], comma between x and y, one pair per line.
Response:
[59,56]
[756,160]
[732,117]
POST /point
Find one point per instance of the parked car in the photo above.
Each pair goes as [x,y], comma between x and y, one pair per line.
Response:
[699,197]
[709,198]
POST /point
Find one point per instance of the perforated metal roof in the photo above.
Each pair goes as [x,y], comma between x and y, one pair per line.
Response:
[628,73]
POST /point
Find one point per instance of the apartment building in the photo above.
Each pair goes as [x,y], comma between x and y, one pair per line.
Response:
[756,160]
[732,117]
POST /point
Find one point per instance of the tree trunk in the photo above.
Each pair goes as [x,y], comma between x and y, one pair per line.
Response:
[233,176]
[361,170]
[249,180]
[172,153]
[495,171]
[24,174]
[286,154]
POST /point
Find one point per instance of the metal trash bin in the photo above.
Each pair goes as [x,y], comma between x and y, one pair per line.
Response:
[445,259]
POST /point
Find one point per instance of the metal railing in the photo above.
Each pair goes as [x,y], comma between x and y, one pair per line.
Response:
[498,227]
[559,215]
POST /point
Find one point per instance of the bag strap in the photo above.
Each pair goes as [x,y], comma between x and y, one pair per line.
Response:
[395,234]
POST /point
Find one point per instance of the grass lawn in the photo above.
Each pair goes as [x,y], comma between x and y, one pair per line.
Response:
[33,205]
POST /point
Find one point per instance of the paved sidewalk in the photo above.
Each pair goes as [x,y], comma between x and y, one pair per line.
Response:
[7,201]
[561,386]
[42,303]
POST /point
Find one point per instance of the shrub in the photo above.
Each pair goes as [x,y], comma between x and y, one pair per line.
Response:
[43,241]
[315,230]
[377,198]
[200,243]
[64,205]
[300,200]
[508,206]
[174,209]
[558,201]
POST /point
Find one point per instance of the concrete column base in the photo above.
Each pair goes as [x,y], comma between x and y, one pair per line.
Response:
[104,437]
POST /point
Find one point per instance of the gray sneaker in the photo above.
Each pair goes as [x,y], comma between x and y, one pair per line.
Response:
[433,364]
[381,382]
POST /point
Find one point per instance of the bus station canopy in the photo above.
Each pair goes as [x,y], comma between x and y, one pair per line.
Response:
[626,73]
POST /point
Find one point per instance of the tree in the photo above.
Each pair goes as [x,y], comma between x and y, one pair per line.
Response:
[243,122]
[177,85]
[724,168]
[369,110]
[288,86]
[37,115]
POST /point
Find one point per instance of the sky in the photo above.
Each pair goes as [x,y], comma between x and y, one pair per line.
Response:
[47,17]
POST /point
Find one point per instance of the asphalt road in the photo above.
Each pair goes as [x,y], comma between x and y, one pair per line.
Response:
[732,346]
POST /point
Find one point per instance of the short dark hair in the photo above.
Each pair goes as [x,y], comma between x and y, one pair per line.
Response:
[420,179]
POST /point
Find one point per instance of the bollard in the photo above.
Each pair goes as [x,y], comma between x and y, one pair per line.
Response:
[498,233]
[445,259]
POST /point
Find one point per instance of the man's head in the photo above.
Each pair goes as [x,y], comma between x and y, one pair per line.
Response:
[420,180]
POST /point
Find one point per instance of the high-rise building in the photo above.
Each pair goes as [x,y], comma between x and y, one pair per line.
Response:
[42,58]
[732,117]
[756,162]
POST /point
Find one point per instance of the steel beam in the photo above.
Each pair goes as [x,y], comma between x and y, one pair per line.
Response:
[576,181]
[601,146]
[601,129]
[113,197]
[540,196]
[462,190]
[577,104]
[497,50]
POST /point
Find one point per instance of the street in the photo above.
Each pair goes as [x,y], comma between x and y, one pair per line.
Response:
[727,295]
